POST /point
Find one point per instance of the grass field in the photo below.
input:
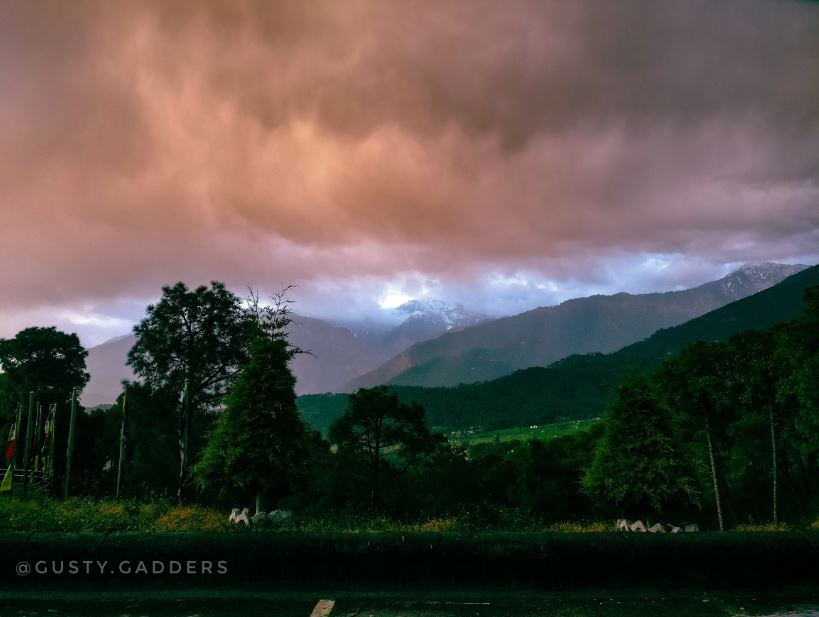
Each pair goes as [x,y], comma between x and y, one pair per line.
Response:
[521,433]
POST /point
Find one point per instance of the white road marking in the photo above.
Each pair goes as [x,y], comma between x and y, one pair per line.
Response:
[323,608]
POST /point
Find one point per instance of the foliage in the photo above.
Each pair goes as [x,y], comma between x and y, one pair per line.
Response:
[636,465]
[196,335]
[467,522]
[188,518]
[745,398]
[45,361]
[800,355]
[259,442]
[151,463]
[580,386]
[766,527]
[548,476]
[441,484]
[696,387]
[388,435]
[573,527]
[754,399]
[91,515]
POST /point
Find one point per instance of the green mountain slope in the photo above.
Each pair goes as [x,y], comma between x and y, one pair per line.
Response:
[596,324]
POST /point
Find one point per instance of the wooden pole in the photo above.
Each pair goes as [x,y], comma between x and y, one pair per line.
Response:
[17,432]
[28,443]
[714,477]
[53,437]
[16,457]
[774,473]
[186,424]
[70,447]
[37,440]
[121,441]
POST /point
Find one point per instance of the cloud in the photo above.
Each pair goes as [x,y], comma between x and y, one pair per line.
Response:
[328,143]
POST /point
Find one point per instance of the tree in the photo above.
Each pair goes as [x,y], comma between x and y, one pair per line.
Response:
[549,474]
[45,361]
[192,342]
[798,392]
[694,385]
[635,464]
[259,442]
[195,336]
[151,465]
[800,346]
[756,375]
[388,434]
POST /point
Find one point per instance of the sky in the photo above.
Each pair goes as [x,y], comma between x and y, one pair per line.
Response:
[501,155]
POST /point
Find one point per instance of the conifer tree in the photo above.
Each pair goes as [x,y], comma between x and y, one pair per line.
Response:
[259,442]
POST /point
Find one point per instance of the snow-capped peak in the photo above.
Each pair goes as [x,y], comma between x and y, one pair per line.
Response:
[433,310]
[758,277]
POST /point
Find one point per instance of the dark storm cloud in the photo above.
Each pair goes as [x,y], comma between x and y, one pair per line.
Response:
[144,142]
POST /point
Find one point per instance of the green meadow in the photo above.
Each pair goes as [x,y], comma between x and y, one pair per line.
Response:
[542,432]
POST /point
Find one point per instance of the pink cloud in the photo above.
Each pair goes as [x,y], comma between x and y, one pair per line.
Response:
[261,142]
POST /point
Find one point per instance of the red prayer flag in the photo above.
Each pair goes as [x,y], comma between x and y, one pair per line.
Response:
[10,444]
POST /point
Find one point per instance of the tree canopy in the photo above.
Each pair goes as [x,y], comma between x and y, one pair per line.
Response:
[198,336]
[259,442]
[636,465]
[45,361]
[390,435]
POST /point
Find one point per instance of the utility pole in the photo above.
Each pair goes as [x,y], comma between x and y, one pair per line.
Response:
[70,447]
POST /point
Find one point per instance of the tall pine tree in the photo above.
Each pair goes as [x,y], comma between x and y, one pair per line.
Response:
[259,443]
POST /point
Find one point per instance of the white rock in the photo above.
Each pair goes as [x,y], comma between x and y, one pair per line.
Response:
[638,526]
[243,518]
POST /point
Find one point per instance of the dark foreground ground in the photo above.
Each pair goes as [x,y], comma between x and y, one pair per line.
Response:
[288,562]
[412,575]
[802,602]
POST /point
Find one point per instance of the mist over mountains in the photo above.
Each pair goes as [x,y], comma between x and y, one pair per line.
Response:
[544,335]
[432,343]
[338,352]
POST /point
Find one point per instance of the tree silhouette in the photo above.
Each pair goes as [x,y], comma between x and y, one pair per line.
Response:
[388,434]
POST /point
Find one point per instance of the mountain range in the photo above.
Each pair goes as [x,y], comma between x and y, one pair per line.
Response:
[579,386]
[539,337]
[338,352]
[431,343]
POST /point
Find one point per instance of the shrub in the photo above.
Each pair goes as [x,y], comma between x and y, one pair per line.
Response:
[90,515]
[190,519]
[439,525]
[763,527]
[573,527]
